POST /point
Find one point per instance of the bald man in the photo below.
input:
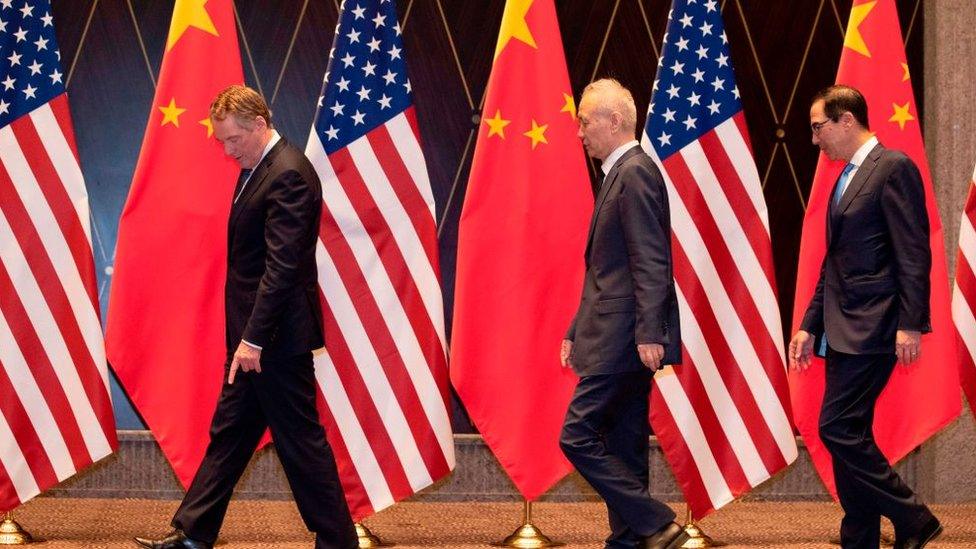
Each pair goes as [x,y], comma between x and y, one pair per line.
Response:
[626,327]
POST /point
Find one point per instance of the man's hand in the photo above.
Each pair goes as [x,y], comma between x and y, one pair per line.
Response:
[247,359]
[651,355]
[801,350]
[566,351]
[908,346]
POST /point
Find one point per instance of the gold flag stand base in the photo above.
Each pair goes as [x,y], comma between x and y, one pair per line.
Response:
[527,536]
[11,533]
[367,539]
[697,539]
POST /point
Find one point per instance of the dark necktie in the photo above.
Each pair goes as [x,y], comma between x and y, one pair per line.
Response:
[240,183]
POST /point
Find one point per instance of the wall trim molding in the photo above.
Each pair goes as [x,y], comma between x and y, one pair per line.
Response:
[139,470]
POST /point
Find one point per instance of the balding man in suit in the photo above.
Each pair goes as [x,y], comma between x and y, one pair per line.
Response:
[626,327]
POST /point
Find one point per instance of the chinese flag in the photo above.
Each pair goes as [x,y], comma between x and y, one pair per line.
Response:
[923,398]
[521,240]
[165,330]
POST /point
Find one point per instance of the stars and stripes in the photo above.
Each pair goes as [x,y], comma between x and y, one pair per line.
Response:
[964,297]
[55,411]
[383,376]
[30,68]
[366,82]
[722,416]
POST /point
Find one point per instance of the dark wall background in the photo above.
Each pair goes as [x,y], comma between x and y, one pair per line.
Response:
[782,53]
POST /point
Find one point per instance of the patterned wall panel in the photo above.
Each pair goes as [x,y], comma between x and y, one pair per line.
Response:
[782,52]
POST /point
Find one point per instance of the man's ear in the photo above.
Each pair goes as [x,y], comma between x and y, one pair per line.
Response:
[616,120]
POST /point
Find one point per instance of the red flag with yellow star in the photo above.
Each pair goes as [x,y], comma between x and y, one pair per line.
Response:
[165,329]
[923,398]
[521,239]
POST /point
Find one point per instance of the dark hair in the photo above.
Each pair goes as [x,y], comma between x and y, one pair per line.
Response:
[839,99]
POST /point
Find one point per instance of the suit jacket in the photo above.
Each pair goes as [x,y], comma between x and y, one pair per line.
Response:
[271,294]
[874,279]
[628,289]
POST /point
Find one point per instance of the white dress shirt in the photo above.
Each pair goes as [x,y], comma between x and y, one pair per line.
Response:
[275,138]
[613,157]
[857,159]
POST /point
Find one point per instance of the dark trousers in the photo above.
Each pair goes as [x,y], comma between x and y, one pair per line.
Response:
[605,436]
[867,486]
[282,398]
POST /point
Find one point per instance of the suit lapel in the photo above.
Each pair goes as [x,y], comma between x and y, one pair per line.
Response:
[861,177]
[257,179]
[601,196]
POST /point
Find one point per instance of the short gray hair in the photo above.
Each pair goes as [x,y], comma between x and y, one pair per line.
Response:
[613,97]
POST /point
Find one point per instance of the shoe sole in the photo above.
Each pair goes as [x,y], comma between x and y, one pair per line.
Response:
[935,534]
[677,542]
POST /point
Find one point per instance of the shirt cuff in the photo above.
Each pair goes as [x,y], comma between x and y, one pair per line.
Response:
[251,345]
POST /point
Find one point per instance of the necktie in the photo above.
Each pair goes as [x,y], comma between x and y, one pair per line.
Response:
[241,180]
[845,178]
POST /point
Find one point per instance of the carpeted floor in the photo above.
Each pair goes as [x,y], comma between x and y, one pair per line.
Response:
[110,523]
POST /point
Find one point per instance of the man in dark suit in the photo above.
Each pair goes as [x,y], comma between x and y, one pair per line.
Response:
[868,312]
[626,327]
[273,323]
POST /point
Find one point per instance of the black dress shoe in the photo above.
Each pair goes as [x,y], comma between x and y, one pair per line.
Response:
[175,540]
[927,533]
[672,536]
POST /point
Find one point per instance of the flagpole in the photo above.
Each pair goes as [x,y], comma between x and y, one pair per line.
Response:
[527,536]
[367,539]
[11,533]
[698,539]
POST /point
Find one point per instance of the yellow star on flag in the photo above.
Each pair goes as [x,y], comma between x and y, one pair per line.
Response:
[171,113]
[901,115]
[537,134]
[496,125]
[853,38]
[514,25]
[905,76]
[186,14]
[570,106]
[206,122]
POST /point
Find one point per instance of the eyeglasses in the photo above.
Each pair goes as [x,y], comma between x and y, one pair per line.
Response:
[815,127]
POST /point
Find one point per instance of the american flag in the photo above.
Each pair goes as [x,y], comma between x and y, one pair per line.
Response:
[384,372]
[55,411]
[722,416]
[964,297]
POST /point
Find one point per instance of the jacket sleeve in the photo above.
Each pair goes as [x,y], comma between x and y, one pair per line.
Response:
[292,214]
[644,218]
[813,319]
[904,209]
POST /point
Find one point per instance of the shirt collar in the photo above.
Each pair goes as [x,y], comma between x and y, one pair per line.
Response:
[275,138]
[613,157]
[862,153]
